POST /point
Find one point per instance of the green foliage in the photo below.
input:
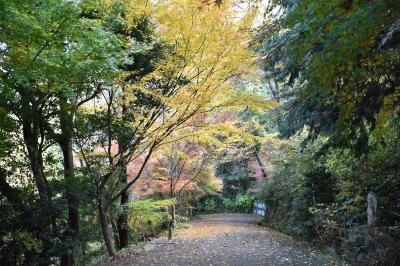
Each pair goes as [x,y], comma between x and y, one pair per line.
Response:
[337,64]
[23,231]
[181,219]
[208,205]
[229,204]
[148,217]
[52,53]
[181,222]
[79,76]
[324,198]
[235,176]
[243,203]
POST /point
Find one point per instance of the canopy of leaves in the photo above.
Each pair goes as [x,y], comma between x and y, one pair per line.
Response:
[340,61]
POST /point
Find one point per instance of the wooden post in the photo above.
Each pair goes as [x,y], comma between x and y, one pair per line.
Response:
[372,208]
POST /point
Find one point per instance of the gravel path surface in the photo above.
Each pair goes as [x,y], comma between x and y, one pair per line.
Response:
[225,239]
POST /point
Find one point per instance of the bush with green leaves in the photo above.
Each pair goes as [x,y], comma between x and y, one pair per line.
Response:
[299,183]
[148,217]
[207,205]
[323,197]
[244,202]
[229,204]
[235,176]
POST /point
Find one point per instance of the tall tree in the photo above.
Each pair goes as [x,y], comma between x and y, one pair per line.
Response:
[54,60]
[159,94]
[340,61]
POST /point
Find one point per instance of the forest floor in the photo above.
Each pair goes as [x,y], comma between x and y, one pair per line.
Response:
[225,239]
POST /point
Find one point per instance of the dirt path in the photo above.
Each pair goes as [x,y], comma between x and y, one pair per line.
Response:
[226,239]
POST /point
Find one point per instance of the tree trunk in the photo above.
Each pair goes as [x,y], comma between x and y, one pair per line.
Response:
[66,124]
[171,223]
[122,221]
[261,165]
[31,128]
[173,215]
[73,203]
[170,230]
[104,228]
[72,198]
[33,136]
[31,140]
[115,231]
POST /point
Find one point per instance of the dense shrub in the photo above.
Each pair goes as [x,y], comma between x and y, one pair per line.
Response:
[148,217]
[323,198]
[229,204]
[244,202]
[209,204]
[235,177]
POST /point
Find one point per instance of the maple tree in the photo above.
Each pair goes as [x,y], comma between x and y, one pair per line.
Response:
[195,75]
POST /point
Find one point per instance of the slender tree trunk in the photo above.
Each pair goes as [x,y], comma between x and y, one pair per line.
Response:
[72,198]
[66,125]
[171,223]
[122,221]
[173,215]
[261,164]
[38,173]
[105,229]
[33,136]
[115,231]
[31,140]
